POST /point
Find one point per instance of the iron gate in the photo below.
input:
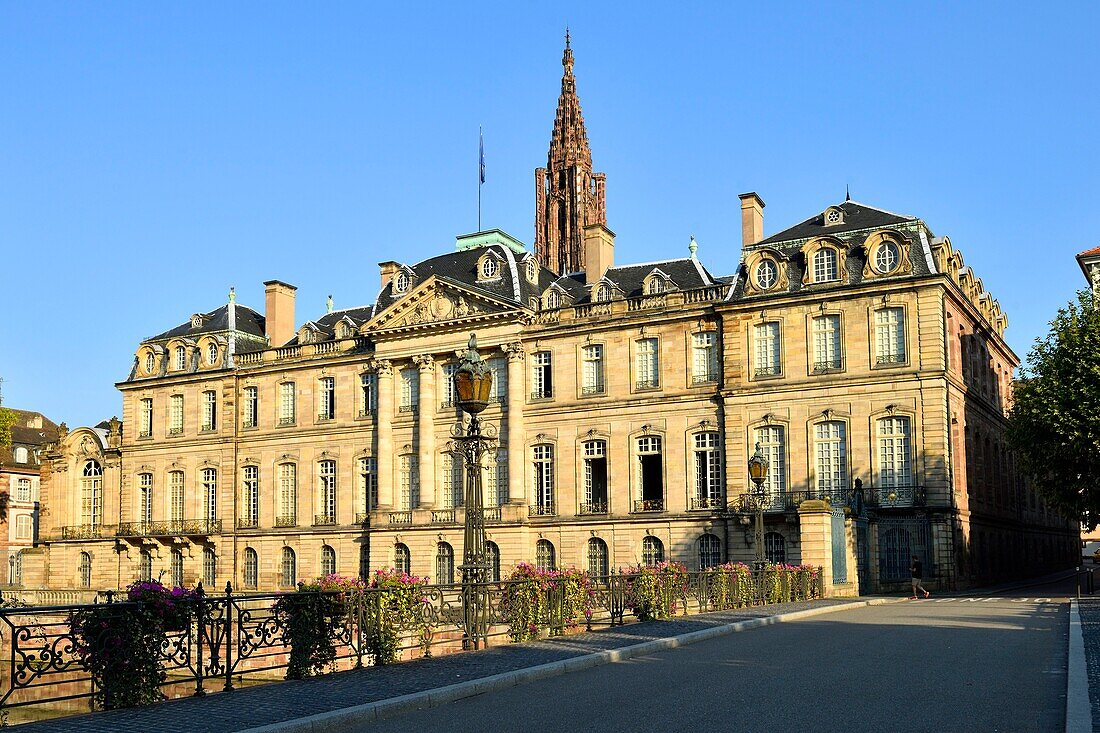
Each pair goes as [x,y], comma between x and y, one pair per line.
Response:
[898,540]
[863,555]
[840,547]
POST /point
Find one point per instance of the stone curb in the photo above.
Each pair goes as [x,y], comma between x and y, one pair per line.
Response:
[346,719]
[1078,708]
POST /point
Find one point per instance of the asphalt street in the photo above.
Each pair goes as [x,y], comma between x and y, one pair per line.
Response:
[975,664]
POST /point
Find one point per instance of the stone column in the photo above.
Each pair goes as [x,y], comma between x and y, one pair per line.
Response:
[425,425]
[815,519]
[517,482]
[383,430]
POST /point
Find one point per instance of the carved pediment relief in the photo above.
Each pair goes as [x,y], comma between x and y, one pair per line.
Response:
[437,301]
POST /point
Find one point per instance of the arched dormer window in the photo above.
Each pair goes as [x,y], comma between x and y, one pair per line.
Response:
[531,268]
[150,362]
[212,353]
[766,274]
[402,281]
[489,268]
[552,299]
[825,265]
[603,293]
[656,286]
[181,358]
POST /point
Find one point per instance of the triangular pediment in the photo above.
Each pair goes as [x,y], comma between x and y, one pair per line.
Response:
[440,302]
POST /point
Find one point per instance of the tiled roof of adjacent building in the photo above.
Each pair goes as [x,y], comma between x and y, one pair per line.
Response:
[856,216]
[23,433]
[1087,252]
[248,321]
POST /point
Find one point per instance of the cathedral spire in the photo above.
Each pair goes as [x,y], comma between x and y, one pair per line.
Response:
[569,196]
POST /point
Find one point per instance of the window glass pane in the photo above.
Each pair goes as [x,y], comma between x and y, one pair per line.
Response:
[831,454]
[766,348]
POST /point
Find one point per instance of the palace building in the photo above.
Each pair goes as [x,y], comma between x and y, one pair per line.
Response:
[855,348]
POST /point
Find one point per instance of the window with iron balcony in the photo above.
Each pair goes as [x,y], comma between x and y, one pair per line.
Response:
[542,376]
[704,357]
[647,370]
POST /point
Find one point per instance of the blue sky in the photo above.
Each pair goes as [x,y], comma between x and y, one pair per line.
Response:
[153,155]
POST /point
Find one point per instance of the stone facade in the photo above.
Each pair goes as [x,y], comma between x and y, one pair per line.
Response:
[856,348]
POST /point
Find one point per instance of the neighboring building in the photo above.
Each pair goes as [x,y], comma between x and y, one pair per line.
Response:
[1089,260]
[856,348]
[20,485]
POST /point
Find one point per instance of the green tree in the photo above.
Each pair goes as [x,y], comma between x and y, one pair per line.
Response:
[7,420]
[1054,424]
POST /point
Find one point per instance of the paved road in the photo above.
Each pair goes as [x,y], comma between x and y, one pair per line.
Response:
[944,664]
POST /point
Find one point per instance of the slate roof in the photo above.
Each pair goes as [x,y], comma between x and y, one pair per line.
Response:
[686,274]
[461,267]
[248,321]
[326,324]
[856,216]
[28,437]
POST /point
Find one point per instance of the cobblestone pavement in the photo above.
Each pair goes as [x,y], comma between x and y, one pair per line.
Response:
[223,712]
[1090,628]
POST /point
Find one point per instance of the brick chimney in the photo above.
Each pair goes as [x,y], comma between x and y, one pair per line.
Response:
[279,312]
[388,269]
[752,219]
[599,251]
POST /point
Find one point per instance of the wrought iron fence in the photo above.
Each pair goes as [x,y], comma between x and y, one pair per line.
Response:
[228,637]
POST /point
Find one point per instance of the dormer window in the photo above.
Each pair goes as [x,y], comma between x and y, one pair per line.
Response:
[825,265]
[603,293]
[489,268]
[833,216]
[553,300]
[196,321]
[402,281]
[212,353]
[886,257]
[656,286]
[532,270]
[150,362]
[767,274]
[181,358]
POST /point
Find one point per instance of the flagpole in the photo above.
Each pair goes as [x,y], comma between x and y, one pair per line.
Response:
[480,172]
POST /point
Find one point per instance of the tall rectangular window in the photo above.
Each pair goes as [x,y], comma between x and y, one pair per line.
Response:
[410,390]
[288,496]
[368,395]
[145,429]
[409,476]
[368,484]
[592,369]
[647,369]
[704,357]
[251,497]
[326,407]
[452,481]
[890,336]
[831,451]
[91,495]
[145,497]
[542,375]
[651,475]
[210,493]
[499,391]
[327,471]
[772,440]
[176,494]
[595,477]
[543,457]
[766,349]
[496,486]
[826,335]
[210,410]
[175,414]
[894,465]
[286,403]
[23,490]
[250,417]
[708,471]
[448,386]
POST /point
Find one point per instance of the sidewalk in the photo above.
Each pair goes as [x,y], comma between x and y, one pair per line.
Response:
[282,702]
[1089,608]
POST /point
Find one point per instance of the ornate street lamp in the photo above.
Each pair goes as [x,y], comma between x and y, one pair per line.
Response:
[758,472]
[473,382]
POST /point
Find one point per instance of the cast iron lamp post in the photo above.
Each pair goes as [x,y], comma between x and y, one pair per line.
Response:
[473,381]
[758,472]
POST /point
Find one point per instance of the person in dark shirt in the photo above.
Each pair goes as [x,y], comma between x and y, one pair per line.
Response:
[916,569]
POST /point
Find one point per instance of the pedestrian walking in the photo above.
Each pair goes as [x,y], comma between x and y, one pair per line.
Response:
[916,570]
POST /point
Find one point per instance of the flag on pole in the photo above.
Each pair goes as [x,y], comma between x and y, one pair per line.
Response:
[481,155]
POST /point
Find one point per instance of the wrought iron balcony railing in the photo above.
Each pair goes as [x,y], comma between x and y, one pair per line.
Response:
[325,417]
[594,507]
[408,408]
[324,520]
[542,510]
[708,378]
[283,421]
[286,520]
[82,532]
[545,394]
[768,371]
[443,516]
[401,517]
[364,414]
[890,359]
[170,528]
[649,505]
[878,497]
[707,502]
[175,431]
[652,383]
[829,365]
[886,497]
[362,517]
[589,389]
[247,523]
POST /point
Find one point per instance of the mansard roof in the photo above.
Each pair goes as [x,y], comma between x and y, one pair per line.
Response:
[248,321]
[687,273]
[856,216]
[325,326]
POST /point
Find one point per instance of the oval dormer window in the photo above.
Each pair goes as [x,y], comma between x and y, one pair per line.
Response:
[150,362]
[766,275]
[489,268]
[886,257]
[532,270]
[212,354]
[402,281]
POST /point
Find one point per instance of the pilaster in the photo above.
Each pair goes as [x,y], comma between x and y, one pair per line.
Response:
[517,485]
[425,429]
[384,432]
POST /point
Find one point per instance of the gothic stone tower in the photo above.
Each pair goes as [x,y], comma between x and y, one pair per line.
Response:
[568,195]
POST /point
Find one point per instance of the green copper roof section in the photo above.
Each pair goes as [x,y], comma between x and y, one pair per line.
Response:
[484,239]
